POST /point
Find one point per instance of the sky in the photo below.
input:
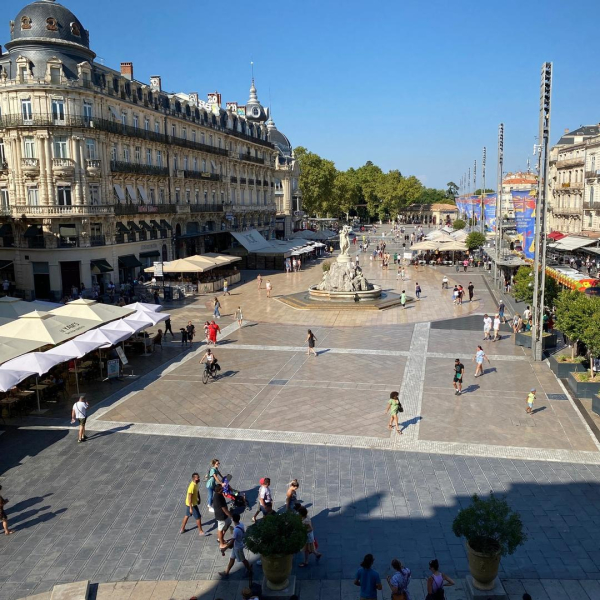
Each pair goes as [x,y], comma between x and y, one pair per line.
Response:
[410,85]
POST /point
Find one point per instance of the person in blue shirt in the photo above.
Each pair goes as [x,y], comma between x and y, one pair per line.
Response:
[368,579]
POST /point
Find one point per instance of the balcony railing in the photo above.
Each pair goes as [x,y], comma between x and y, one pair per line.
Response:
[253,159]
[566,210]
[206,208]
[575,185]
[125,167]
[70,242]
[570,162]
[30,163]
[143,209]
[202,175]
[97,240]
[56,210]
[233,179]
[93,163]
[592,174]
[63,162]
[591,205]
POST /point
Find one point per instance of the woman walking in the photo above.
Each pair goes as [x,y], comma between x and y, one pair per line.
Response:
[436,581]
[311,339]
[269,288]
[394,407]
[213,478]
[291,496]
[479,357]
[239,316]
[216,307]
[399,581]
[417,290]
[309,547]
[206,332]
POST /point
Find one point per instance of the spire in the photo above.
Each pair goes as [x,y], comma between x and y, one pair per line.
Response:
[253,96]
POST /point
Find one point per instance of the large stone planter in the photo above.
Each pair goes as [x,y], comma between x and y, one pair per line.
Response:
[524,339]
[483,568]
[562,369]
[596,404]
[277,569]
[583,389]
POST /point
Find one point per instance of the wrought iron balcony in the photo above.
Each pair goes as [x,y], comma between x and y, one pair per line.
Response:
[125,167]
[206,208]
[570,162]
[253,159]
[592,174]
[56,210]
[97,240]
[202,175]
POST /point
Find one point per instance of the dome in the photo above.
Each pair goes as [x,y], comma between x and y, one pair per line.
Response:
[278,139]
[46,21]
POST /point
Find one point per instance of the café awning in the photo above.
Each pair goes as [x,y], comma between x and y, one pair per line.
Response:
[35,362]
[10,378]
[137,306]
[119,192]
[150,254]
[129,261]
[145,226]
[193,264]
[13,308]
[142,192]
[221,259]
[573,242]
[33,231]
[11,348]
[99,266]
[131,193]
[133,226]
[90,309]
[121,228]
[165,225]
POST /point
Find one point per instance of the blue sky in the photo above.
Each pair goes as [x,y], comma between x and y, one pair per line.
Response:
[410,85]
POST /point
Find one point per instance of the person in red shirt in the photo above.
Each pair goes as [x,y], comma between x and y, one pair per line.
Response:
[213,330]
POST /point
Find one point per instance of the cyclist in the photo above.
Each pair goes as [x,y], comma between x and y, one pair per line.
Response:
[211,361]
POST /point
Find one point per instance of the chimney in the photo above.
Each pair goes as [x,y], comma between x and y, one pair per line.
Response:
[566,130]
[156,83]
[127,70]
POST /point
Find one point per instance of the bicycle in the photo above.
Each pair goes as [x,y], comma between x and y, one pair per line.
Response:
[210,371]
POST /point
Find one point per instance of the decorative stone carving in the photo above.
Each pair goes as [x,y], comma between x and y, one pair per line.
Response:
[12,29]
[51,24]
[25,23]
[344,255]
[344,277]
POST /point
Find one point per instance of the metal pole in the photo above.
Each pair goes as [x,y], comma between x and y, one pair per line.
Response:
[539,263]
[499,199]
[474,192]
[483,194]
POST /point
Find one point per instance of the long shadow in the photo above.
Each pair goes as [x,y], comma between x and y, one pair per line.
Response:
[470,389]
[42,518]
[405,424]
[228,374]
[101,434]
[14,508]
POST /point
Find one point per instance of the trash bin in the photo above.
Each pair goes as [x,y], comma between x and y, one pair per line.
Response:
[181,294]
[167,294]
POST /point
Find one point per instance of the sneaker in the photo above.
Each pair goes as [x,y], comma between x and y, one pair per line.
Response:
[211,509]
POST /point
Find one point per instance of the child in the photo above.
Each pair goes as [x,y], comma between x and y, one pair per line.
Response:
[184,336]
[530,401]
[394,407]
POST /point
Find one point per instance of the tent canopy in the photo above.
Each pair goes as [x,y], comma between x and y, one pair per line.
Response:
[90,309]
[12,308]
[427,245]
[36,362]
[73,349]
[221,259]
[144,306]
[10,378]
[11,348]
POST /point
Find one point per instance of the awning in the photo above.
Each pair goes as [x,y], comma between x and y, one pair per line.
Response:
[165,225]
[590,250]
[556,235]
[33,231]
[131,191]
[155,224]
[5,229]
[251,240]
[149,254]
[133,226]
[145,226]
[142,193]
[121,228]
[129,261]
[119,192]
[100,266]
[572,242]
[67,230]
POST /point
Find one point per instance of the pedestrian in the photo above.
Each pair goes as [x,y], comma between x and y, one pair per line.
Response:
[239,316]
[184,336]
[530,401]
[496,328]
[213,330]
[527,314]
[471,290]
[459,370]
[436,582]
[309,547]
[168,327]
[517,323]
[192,503]
[222,515]
[444,282]
[191,331]
[3,516]
[455,295]
[269,288]
[394,407]
[403,273]
[465,264]
[156,297]
[487,326]
[225,288]
[291,496]
[501,308]
[213,477]
[403,299]
[237,547]
[311,339]
[216,308]
[417,290]
[206,332]
[461,292]
[265,499]
[480,355]
[399,581]
[259,279]
[79,412]
[368,579]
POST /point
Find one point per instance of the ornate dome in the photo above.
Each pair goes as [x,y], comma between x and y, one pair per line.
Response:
[279,139]
[47,22]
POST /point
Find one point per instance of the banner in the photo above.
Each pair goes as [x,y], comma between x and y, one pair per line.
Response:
[524,204]
[489,211]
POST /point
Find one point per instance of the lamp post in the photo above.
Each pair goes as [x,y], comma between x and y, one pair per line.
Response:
[499,198]
[539,262]
[483,192]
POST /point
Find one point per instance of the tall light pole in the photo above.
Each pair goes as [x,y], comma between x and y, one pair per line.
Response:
[541,209]
[483,192]
[474,193]
[499,198]
[469,181]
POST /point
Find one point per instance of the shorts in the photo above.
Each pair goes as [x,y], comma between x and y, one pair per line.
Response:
[195,512]
[238,554]
[457,379]
[224,525]
[530,404]
[266,510]
[82,421]
[486,330]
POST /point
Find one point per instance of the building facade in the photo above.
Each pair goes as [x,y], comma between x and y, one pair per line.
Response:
[520,181]
[101,175]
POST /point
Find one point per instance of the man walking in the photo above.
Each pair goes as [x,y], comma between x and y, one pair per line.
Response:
[79,412]
[265,498]
[459,370]
[487,326]
[237,552]
[259,279]
[471,289]
[496,328]
[269,288]
[192,502]
[222,515]
[168,327]
[417,290]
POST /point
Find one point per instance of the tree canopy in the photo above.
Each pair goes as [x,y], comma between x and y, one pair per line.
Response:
[475,240]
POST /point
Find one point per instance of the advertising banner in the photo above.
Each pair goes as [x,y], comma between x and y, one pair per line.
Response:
[112,367]
[524,204]
[489,211]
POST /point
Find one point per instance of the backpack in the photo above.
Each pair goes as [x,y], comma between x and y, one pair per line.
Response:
[438,594]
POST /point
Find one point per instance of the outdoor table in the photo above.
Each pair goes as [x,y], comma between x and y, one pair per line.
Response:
[9,402]
[24,393]
[39,386]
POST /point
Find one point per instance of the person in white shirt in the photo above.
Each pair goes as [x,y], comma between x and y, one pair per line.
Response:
[496,328]
[79,412]
[265,499]
[527,314]
[487,326]
[236,543]
[445,283]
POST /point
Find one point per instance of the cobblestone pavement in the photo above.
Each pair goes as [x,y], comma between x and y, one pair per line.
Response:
[110,509]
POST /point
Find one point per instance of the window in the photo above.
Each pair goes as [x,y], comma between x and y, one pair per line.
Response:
[590,219]
[147,124]
[136,121]
[196,165]
[123,118]
[591,195]
[58,110]
[90,147]
[185,163]
[210,140]
[214,197]
[197,197]
[26,110]
[60,147]
[161,195]
[151,195]
[177,195]
[23,74]
[156,127]
[113,153]
[159,158]
[149,156]
[2,153]
[193,136]
[222,197]
[88,113]
[4,198]
[64,195]
[126,154]
[188,196]
[33,196]
[202,137]
[593,163]
[203,166]
[184,133]
[219,142]
[29,147]
[205,197]
[175,162]
[138,154]
[173,130]
[94,194]
[55,75]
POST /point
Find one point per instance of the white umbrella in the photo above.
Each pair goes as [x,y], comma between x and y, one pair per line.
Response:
[121,326]
[148,317]
[106,338]
[145,307]
[92,310]
[8,379]
[11,347]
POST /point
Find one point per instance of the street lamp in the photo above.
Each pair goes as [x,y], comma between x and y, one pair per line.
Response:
[499,197]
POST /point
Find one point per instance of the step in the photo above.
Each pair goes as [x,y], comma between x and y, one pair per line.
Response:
[77,590]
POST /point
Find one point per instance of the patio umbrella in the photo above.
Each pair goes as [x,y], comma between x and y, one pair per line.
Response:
[11,348]
[95,311]
[10,378]
[428,245]
[106,338]
[144,306]
[12,308]
[147,317]
[221,259]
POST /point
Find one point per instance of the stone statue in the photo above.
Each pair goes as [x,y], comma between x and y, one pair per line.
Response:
[345,244]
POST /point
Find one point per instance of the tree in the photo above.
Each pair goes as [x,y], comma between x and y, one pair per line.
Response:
[523,288]
[369,179]
[431,196]
[475,240]
[459,224]
[590,336]
[346,191]
[316,181]
[452,190]
[572,313]
[479,191]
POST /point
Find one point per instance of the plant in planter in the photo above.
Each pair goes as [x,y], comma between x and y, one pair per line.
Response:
[277,537]
[492,530]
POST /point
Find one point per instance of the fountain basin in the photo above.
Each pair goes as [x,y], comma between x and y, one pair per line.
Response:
[339,296]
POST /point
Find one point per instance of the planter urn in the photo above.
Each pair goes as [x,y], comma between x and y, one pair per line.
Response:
[277,569]
[483,568]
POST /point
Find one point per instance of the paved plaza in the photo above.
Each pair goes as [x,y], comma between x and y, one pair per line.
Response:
[109,510]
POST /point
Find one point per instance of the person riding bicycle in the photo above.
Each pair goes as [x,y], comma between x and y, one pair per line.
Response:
[211,362]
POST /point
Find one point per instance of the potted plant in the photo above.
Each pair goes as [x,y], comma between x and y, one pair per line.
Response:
[277,537]
[492,530]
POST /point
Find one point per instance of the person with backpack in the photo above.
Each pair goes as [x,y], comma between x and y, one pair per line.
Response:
[236,543]
[399,581]
[436,582]
[212,478]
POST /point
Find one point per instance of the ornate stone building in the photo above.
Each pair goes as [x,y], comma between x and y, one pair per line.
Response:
[101,174]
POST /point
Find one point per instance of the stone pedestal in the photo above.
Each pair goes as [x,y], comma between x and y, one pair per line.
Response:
[284,594]
[496,593]
[344,258]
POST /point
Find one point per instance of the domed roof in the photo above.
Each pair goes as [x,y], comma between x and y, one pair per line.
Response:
[46,21]
[279,139]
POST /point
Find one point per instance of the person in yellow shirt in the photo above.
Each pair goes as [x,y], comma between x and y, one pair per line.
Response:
[192,502]
[530,401]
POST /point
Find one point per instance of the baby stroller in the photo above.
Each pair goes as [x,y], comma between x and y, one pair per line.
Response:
[236,497]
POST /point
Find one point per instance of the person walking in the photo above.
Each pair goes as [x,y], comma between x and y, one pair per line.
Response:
[213,330]
[168,328]
[517,323]
[191,332]
[265,499]
[3,516]
[213,477]
[394,407]
[479,357]
[457,382]
[403,299]
[368,579]
[487,326]
[501,309]
[239,317]
[403,273]
[530,401]
[206,334]
[269,288]
[436,582]
[222,515]
[259,279]
[309,547]
[311,339]
[291,496]
[400,580]
[225,288]
[79,412]
[184,336]
[237,547]
[496,328]
[417,290]
[192,502]
[216,308]
[471,290]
